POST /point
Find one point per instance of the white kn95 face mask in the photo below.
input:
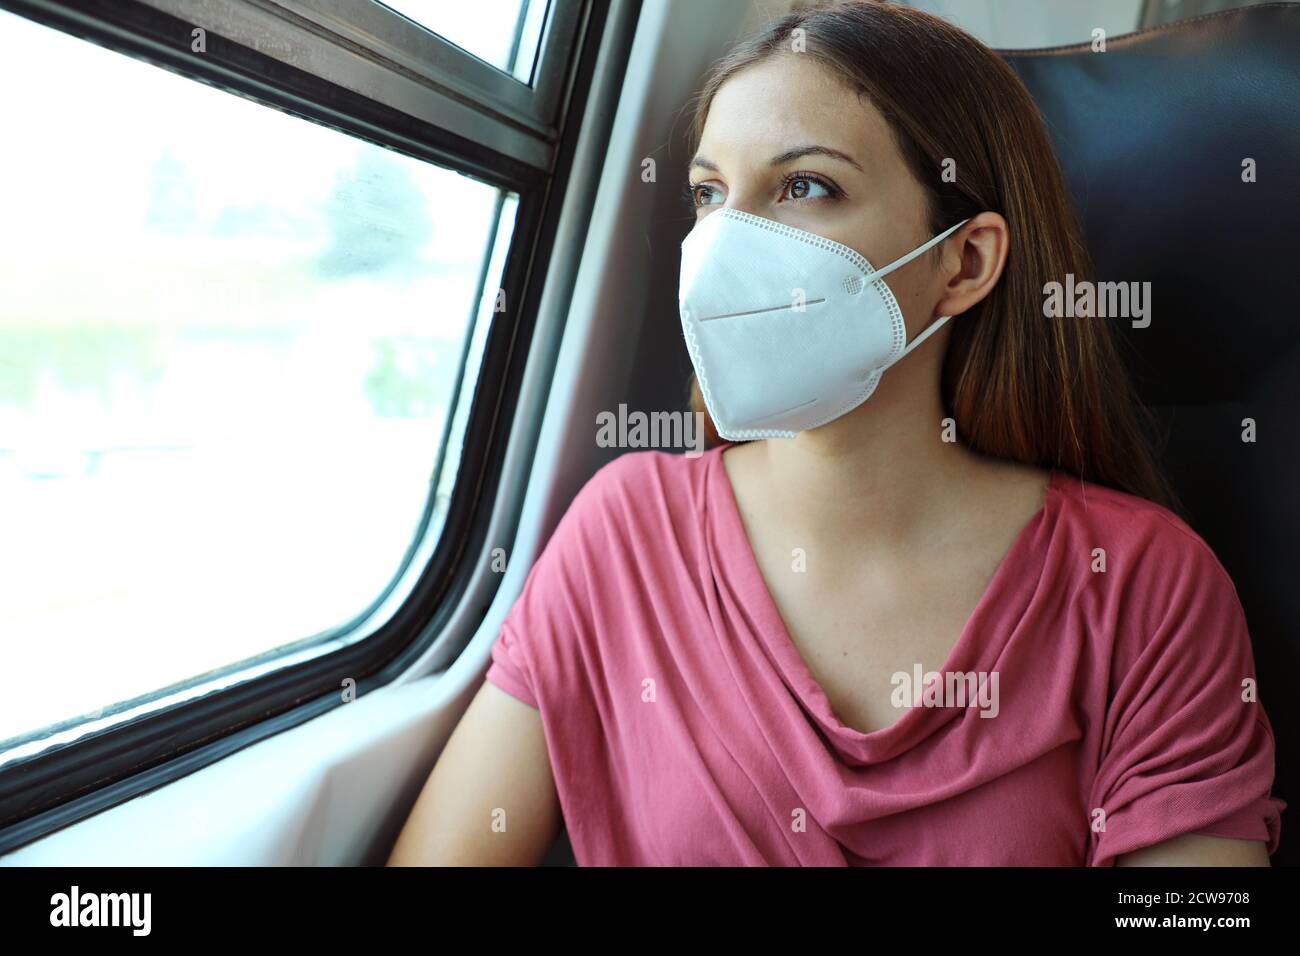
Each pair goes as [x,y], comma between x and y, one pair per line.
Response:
[787,330]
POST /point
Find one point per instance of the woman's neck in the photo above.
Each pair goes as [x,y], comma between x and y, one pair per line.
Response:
[882,476]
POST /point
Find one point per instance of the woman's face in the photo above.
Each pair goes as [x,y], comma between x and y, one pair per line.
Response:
[786,140]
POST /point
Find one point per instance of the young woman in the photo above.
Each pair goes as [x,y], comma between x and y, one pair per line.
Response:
[924,610]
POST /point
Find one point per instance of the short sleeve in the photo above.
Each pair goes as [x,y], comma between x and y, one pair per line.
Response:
[1187,745]
[510,669]
[540,652]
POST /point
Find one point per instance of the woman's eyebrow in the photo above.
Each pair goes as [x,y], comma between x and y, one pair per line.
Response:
[788,156]
[799,151]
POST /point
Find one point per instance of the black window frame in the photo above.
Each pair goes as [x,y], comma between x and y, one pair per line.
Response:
[68,782]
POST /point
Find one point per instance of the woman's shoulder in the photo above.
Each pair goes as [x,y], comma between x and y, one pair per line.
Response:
[649,482]
[652,466]
[1156,573]
[582,608]
[643,507]
[1142,528]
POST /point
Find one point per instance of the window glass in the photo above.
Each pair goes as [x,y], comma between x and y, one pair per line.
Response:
[504,33]
[230,342]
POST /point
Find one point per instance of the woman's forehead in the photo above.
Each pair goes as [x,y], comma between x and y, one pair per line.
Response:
[784,102]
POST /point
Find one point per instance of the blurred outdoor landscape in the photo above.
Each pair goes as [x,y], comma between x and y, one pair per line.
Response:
[229,340]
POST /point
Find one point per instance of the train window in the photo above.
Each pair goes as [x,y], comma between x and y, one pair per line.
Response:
[504,33]
[232,347]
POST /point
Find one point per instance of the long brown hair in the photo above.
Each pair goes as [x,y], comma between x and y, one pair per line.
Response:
[1051,393]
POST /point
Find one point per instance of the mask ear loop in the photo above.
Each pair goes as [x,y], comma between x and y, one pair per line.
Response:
[904,260]
[934,327]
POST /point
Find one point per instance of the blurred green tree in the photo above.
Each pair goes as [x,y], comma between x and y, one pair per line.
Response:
[378,219]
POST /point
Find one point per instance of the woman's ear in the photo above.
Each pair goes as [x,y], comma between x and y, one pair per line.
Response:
[972,262]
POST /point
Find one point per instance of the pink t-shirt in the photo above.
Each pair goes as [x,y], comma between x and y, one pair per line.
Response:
[684,727]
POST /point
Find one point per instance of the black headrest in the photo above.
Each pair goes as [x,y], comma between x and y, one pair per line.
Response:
[1152,135]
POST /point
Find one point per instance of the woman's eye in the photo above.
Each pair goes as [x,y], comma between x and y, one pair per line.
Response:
[705,195]
[802,187]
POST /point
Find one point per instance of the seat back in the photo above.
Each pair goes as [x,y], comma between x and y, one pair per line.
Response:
[1181,149]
